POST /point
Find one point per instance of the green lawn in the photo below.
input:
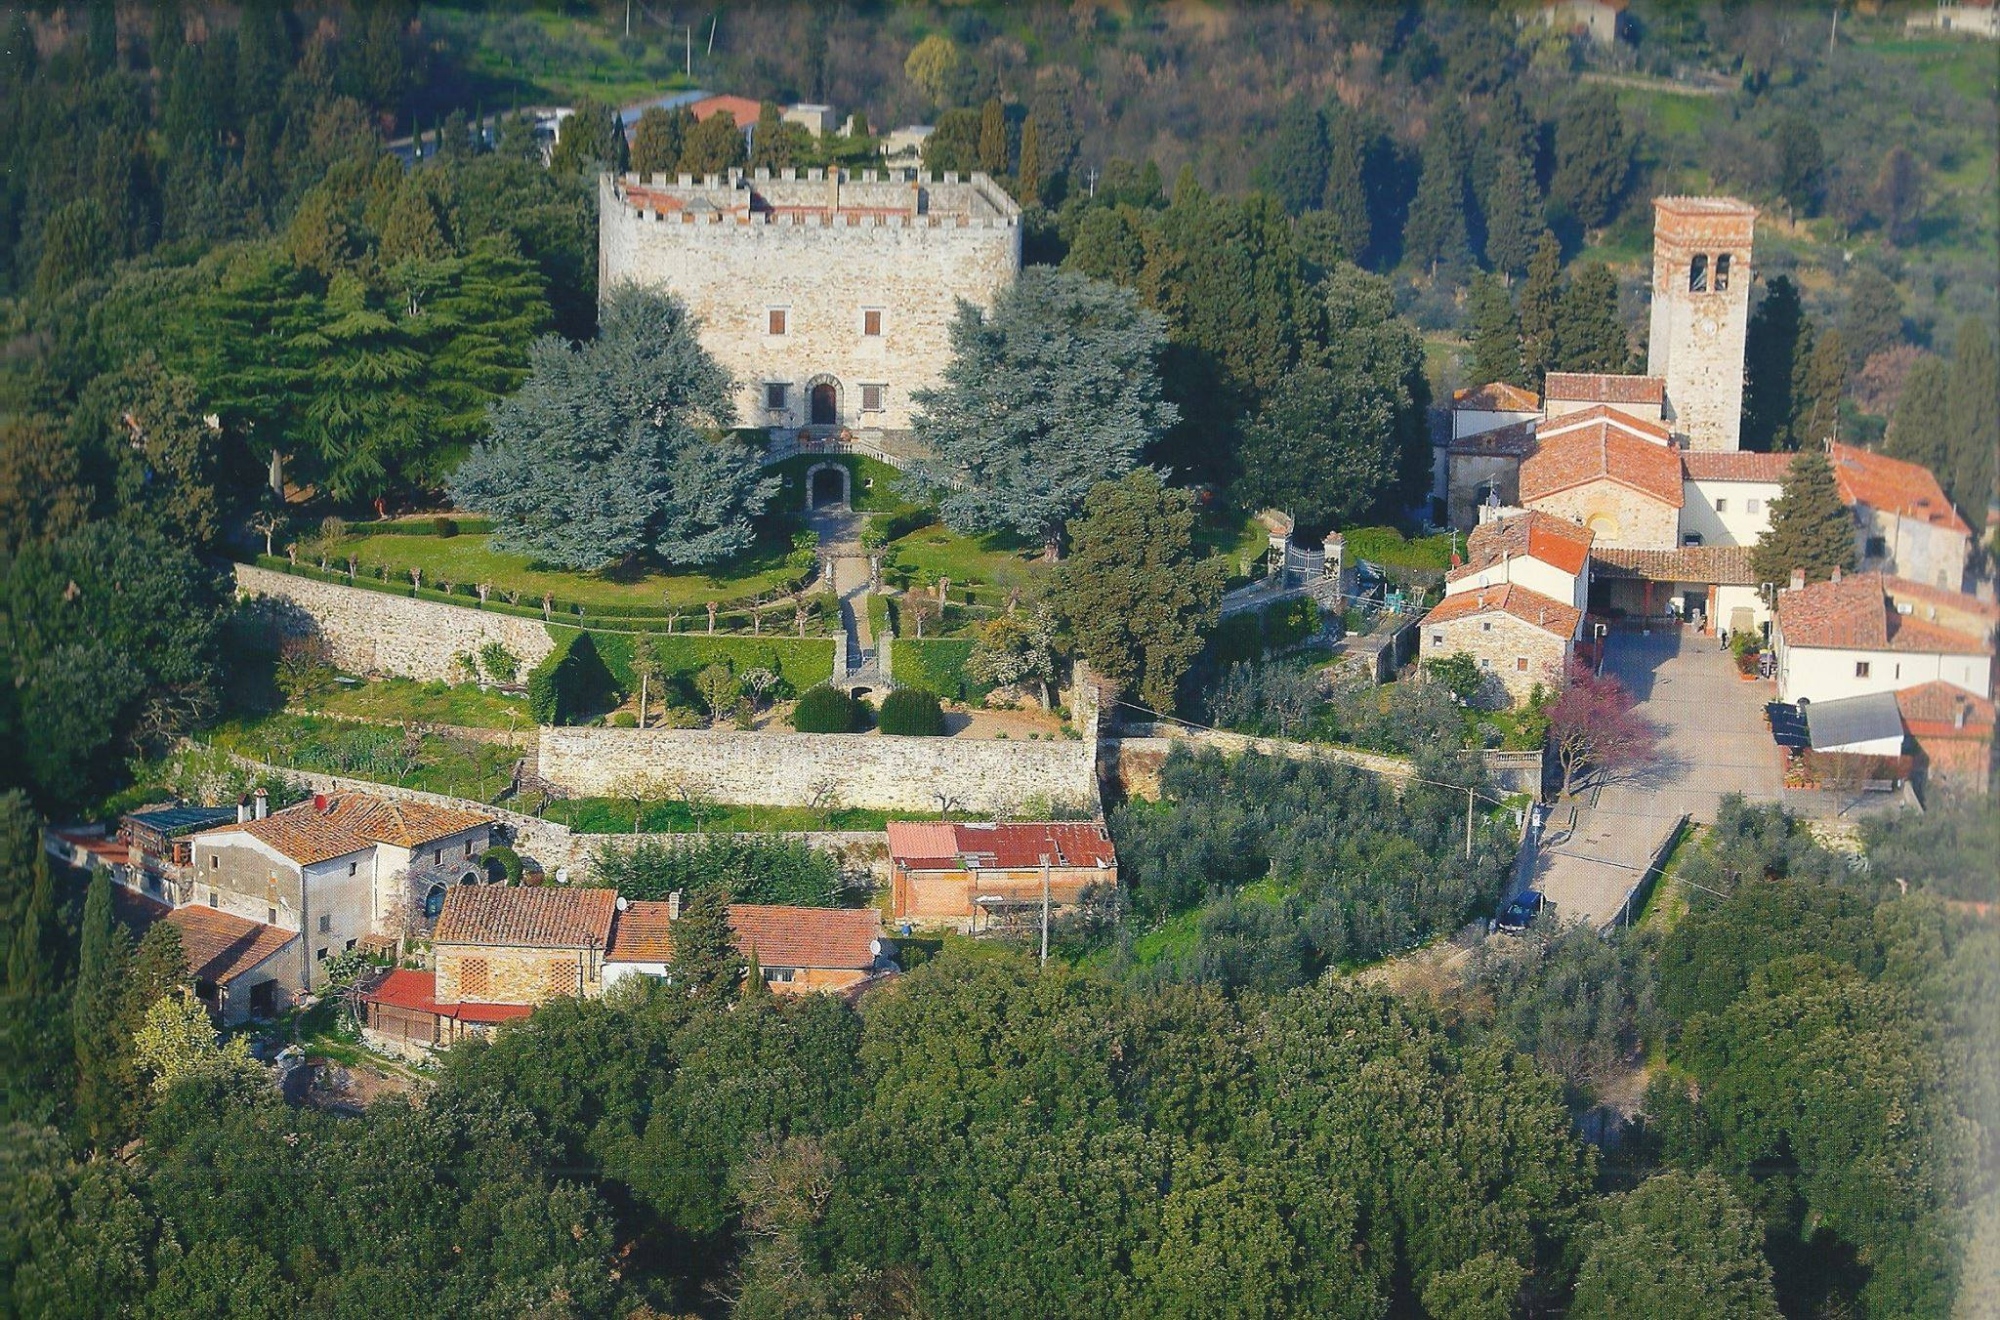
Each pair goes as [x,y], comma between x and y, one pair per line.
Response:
[400,699]
[469,558]
[1238,537]
[1386,545]
[996,560]
[430,763]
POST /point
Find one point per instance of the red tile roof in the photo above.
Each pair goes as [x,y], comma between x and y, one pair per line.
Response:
[538,918]
[1516,440]
[1735,465]
[925,846]
[1853,614]
[1555,541]
[1722,565]
[1932,709]
[1889,485]
[1679,205]
[351,823]
[639,933]
[417,991]
[740,108]
[1572,386]
[1942,597]
[1601,452]
[1530,607]
[221,947]
[833,938]
[1496,396]
[1604,412]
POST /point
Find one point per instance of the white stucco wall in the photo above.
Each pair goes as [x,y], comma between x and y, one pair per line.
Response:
[1478,421]
[1534,574]
[1919,551]
[1827,674]
[1727,512]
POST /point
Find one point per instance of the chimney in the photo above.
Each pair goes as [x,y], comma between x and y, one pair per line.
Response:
[263,804]
[319,803]
[1798,579]
[1958,715]
[242,809]
[1836,573]
[674,906]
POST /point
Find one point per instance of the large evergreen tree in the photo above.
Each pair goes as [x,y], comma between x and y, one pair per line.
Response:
[1439,230]
[590,139]
[993,138]
[1973,419]
[705,963]
[1295,163]
[610,449]
[1541,303]
[1593,156]
[1345,195]
[103,961]
[1051,392]
[1496,333]
[1588,335]
[1777,340]
[1920,430]
[1133,593]
[658,139]
[1809,527]
[1681,1247]
[1513,216]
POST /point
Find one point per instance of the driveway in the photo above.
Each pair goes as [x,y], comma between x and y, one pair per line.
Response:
[1712,742]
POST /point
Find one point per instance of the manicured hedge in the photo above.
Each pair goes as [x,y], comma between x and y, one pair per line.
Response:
[827,710]
[572,683]
[912,713]
[465,526]
[937,664]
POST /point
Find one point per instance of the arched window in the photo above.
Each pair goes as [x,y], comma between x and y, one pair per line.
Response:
[1698,274]
[1722,272]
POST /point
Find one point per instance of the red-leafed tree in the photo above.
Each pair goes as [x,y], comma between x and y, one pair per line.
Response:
[1595,726]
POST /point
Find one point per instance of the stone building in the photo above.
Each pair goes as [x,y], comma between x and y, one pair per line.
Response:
[1701,314]
[1904,523]
[827,295]
[1519,637]
[1626,490]
[976,876]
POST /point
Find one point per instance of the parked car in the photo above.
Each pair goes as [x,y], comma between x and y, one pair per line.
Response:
[1521,913]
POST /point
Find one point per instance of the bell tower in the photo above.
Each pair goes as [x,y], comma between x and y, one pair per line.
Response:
[1701,312]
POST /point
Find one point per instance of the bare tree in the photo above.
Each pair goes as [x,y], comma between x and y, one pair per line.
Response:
[269,524]
[1595,726]
[646,668]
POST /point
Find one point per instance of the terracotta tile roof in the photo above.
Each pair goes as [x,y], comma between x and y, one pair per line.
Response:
[1601,452]
[1932,708]
[1908,490]
[221,947]
[639,933]
[404,988]
[1900,588]
[1604,412]
[1531,607]
[842,938]
[1496,396]
[1555,541]
[1572,386]
[1703,206]
[740,108]
[1513,441]
[351,823]
[924,845]
[1735,465]
[1853,614]
[486,1013]
[1721,565]
[553,918]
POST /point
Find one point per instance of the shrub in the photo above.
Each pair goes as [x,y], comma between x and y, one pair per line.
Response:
[912,713]
[826,710]
[510,861]
[625,719]
[444,526]
[570,682]
[501,665]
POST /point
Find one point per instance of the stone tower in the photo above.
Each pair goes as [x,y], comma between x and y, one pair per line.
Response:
[1701,309]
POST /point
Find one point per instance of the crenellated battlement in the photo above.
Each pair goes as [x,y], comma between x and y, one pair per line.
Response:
[826,198]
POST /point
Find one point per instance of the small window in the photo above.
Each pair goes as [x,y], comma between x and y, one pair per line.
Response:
[349,946]
[468,847]
[871,397]
[871,322]
[1861,669]
[1698,274]
[215,861]
[774,397]
[1722,272]
[780,975]
[325,922]
[437,857]
[212,901]
[1437,639]
[776,324]
[271,917]
[1486,625]
[1690,538]
[1520,664]
[1877,547]
[1486,664]
[1753,505]
[1722,506]
[353,867]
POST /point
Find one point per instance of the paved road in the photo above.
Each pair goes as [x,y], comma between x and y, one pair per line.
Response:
[1713,742]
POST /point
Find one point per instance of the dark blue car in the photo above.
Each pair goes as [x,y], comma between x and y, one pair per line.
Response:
[1521,913]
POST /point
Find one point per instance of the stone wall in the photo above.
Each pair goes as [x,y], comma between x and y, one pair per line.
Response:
[1514,654]
[902,254]
[376,632]
[1131,763]
[796,769]
[1617,514]
[507,974]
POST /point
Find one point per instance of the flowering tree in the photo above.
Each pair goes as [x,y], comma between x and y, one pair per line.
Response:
[1594,725]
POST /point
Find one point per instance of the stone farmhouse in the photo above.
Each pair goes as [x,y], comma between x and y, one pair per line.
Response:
[499,952]
[1517,605]
[1904,524]
[976,876]
[828,295]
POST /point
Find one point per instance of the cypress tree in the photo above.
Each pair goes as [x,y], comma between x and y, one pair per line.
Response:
[1513,217]
[1438,232]
[1820,377]
[1921,428]
[1588,336]
[104,956]
[1030,188]
[1770,356]
[1872,320]
[1593,157]
[1295,167]
[1972,420]
[1496,333]
[993,138]
[1809,527]
[33,1042]
[1541,296]
[1345,193]
[705,963]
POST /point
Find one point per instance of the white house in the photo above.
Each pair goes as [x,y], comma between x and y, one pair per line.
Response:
[1848,638]
[1545,554]
[1726,495]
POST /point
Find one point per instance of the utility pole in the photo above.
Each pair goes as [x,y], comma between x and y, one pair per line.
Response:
[690,52]
[1468,824]
[1045,909]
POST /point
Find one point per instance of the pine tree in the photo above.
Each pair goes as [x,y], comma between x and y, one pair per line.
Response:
[993,138]
[1593,156]
[713,146]
[1345,195]
[105,954]
[1496,333]
[1588,335]
[1513,217]
[34,1040]
[1972,420]
[1809,527]
[1438,233]
[658,139]
[1801,164]
[754,984]
[1872,320]
[1770,356]
[1541,298]
[1920,431]
[1294,168]
[705,963]
[1821,379]
[591,139]
[1030,187]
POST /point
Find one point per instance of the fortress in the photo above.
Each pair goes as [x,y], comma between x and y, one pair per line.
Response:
[828,296]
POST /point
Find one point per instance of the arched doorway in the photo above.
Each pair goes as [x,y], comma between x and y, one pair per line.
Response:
[828,485]
[825,403]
